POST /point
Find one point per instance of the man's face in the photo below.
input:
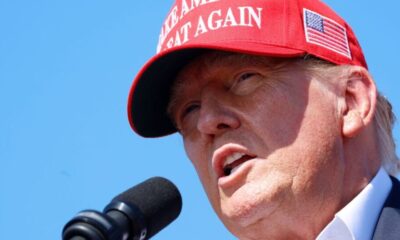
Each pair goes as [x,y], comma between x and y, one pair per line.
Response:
[264,138]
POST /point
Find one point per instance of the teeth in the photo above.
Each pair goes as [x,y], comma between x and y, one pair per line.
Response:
[233,157]
[236,168]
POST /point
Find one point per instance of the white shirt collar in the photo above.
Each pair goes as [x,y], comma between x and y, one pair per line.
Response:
[357,220]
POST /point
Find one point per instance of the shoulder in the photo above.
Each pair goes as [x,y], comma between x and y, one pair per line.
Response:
[388,225]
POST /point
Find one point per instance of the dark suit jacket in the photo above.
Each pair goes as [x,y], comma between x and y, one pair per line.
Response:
[388,225]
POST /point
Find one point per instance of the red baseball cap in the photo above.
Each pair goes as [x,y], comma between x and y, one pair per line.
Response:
[276,28]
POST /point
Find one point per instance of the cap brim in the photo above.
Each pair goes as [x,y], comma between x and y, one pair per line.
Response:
[149,94]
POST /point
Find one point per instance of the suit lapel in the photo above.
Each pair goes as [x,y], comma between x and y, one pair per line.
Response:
[388,226]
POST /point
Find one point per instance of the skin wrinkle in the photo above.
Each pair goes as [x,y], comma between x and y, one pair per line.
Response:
[274,67]
[332,86]
[276,208]
[302,171]
[260,220]
[230,64]
[322,195]
[328,90]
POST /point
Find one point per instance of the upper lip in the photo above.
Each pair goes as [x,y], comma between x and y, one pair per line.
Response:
[221,154]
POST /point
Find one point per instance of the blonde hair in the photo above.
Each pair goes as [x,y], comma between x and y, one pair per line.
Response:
[384,121]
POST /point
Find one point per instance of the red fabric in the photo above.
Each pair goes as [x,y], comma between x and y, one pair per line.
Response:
[262,27]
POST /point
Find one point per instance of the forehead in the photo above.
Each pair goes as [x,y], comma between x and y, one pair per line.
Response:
[213,63]
[221,66]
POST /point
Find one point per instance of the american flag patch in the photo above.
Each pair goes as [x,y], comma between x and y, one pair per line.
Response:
[326,33]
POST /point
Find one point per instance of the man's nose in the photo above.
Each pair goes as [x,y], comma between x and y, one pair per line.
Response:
[217,116]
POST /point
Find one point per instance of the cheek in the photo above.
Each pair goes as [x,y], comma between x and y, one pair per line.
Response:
[199,159]
[202,165]
[277,120]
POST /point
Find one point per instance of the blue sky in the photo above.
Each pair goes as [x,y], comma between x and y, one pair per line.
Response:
[65,143]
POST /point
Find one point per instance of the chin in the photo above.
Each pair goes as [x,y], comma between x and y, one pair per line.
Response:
[243,220]
[242,215]
[251,205]
[243,212]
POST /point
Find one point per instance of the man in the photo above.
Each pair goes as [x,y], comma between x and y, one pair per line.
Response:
[279,116]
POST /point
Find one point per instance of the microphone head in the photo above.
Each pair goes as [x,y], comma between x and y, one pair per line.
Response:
[154,203]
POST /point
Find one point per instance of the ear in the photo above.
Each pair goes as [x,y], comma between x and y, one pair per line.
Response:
[360,100]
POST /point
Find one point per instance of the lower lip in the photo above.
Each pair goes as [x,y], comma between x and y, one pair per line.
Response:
[235,177]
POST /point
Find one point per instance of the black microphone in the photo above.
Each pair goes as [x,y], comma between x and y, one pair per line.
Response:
[136,214]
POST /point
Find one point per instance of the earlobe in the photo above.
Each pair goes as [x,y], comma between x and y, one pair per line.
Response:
[360,97]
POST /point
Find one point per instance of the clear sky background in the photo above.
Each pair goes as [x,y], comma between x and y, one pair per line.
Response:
[65,143]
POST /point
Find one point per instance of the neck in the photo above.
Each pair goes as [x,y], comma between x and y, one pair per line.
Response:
[362,163]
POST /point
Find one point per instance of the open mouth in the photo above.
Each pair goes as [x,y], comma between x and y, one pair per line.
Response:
[233,162]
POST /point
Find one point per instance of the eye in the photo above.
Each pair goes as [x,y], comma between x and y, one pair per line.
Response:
[188,109]
[246,82]
[245,76]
